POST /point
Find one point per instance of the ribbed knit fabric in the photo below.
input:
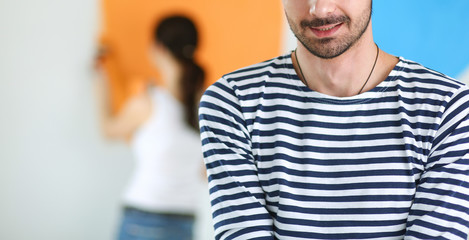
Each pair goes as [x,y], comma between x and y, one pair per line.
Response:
[168,159]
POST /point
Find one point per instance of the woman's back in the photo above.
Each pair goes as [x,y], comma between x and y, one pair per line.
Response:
[168,159]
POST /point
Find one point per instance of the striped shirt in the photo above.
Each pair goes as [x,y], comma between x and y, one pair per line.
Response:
[286,162]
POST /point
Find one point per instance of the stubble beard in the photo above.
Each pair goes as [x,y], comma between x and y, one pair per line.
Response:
[328,48]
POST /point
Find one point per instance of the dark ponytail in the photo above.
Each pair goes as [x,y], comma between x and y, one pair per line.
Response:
[179,35]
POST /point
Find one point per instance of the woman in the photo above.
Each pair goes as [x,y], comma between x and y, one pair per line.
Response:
[162,126]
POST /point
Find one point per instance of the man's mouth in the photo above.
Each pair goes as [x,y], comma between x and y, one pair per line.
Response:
[325,27]
[326,31]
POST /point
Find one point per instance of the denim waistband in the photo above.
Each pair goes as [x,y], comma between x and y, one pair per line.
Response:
[187,216]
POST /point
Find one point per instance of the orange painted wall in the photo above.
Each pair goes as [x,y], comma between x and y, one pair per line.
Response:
[233,34]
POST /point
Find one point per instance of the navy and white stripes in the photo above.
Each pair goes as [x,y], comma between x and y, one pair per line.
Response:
[285,162]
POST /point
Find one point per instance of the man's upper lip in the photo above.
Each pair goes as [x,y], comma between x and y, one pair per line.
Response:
[326,27]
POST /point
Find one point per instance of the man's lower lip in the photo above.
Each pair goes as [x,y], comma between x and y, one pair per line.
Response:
[325,33]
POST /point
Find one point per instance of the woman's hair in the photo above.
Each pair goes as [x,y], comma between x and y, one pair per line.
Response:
[179,35]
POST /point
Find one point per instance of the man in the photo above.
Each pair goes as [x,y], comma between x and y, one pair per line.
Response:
[337,140]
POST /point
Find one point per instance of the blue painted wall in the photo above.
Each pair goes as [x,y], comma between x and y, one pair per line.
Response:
[432,32]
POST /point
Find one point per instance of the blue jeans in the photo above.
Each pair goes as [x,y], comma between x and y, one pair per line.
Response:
[142,225]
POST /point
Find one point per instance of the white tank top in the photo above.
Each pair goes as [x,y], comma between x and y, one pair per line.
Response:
[167,176]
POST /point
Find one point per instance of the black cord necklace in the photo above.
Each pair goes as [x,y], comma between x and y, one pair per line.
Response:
[367,79]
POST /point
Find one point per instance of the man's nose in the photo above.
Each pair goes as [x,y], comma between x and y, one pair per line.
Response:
[322,8]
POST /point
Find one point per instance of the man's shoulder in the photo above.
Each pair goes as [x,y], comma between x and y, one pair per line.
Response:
[417,72]
[278,64]
[252,79]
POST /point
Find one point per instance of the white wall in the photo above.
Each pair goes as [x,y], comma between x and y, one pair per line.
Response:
[289,41]
[465,76]
[58,178]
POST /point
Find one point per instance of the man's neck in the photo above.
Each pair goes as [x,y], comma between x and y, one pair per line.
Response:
[346,74]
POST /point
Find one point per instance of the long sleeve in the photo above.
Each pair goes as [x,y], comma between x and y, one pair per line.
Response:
[440,209]
[237,199]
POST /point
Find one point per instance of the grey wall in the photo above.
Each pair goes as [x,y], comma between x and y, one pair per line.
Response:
[59,179]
